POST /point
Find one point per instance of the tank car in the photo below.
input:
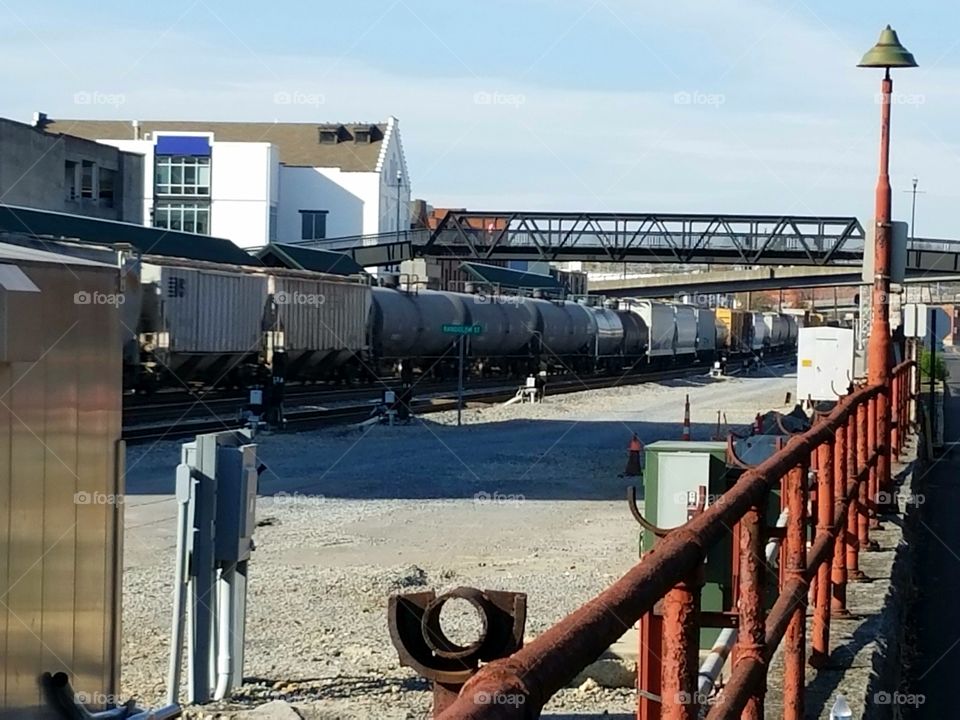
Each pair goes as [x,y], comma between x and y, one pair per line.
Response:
[686,319]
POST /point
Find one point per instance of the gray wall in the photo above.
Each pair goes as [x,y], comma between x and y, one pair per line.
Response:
[32,164]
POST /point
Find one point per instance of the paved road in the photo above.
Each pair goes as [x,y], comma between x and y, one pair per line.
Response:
[936,615]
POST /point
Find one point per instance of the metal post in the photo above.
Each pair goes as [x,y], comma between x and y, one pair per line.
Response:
[795,642]
[873,485]
[820,640]
[649,666]
[681,642]
[752,631]
[895,419]
[879,347]
[854,574]
[863,489]
[838,598]
[460,382]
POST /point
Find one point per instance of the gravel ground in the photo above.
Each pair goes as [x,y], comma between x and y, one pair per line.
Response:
[522,498]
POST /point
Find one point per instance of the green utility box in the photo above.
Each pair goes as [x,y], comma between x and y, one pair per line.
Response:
[674,472]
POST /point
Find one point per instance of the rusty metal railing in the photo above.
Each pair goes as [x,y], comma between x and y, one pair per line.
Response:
[834,468]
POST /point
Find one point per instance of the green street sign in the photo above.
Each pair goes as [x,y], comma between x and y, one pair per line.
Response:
[461,329]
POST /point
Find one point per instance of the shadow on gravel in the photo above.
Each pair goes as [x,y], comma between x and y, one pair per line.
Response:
[520,459]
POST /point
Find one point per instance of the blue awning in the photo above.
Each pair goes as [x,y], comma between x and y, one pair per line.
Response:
[194,145]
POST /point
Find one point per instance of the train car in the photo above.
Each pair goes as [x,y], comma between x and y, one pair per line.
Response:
[636,335]
[323,321]
[738,331]
[200,324]
[706,335]
[793,330]
[687,328]
[508,331]
[759,335]
[660,322]
[394,324]
[609,339]
[566,333]
[776,327]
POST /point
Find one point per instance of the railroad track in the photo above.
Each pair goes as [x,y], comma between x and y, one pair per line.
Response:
[331,408]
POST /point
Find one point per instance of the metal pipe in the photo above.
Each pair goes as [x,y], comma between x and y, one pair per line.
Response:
[873,488]
[838,577]
[184,489]
[225,619]
[751,610]
[712,665]
[540,669]
[681,640]
[795,487]
[863,507]
[854,573]
[820,635]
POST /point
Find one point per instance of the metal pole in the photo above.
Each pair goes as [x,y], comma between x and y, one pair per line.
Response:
[794,647]
[913,211]
[681,641]
[820,642]
[460,384]
[838,599]
[879,346]
[752,617]
[933,366]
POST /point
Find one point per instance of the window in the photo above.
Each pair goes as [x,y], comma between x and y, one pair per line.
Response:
[361,136]
[70,179]
[186,217]
[182,175]
[329,137]
[86,179]
[106,182]
[313,224]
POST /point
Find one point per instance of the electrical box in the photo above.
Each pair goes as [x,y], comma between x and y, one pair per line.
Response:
[824,362]
[236,502]
[677,475]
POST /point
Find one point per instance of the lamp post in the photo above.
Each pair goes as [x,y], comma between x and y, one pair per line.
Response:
[887,53]
[399,185]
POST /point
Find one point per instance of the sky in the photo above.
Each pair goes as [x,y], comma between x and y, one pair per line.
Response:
[601,105]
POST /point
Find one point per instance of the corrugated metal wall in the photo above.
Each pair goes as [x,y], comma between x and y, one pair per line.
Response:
[60,517]
[213,312]
[322,314]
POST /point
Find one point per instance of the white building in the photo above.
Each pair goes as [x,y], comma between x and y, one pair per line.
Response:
[256,183]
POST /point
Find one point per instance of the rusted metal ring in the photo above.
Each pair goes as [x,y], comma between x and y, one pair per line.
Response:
[432,630]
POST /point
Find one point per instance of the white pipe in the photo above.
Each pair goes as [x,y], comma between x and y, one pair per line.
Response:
[714,662]
[184,483]
[224,631]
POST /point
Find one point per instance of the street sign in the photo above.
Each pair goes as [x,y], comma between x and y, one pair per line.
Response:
[461,329]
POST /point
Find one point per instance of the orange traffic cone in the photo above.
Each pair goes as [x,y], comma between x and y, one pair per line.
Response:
[686,419]
[633,457]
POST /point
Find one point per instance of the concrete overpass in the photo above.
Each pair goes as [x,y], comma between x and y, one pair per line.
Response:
[765,278]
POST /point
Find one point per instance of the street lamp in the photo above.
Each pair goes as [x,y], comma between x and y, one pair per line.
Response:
[887,53]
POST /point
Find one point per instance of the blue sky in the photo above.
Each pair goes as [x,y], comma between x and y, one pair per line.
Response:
[618,105]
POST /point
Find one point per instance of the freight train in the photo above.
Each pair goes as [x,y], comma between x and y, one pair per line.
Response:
[206,324]
[190,322]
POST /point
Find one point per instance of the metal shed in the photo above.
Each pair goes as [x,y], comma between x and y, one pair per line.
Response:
[60,476]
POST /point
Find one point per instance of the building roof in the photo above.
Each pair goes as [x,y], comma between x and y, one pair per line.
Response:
[148,240]
[507,278]
[299,143]
[302,258]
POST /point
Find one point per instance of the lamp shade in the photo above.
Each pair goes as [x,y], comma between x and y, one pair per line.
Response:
[888,52]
